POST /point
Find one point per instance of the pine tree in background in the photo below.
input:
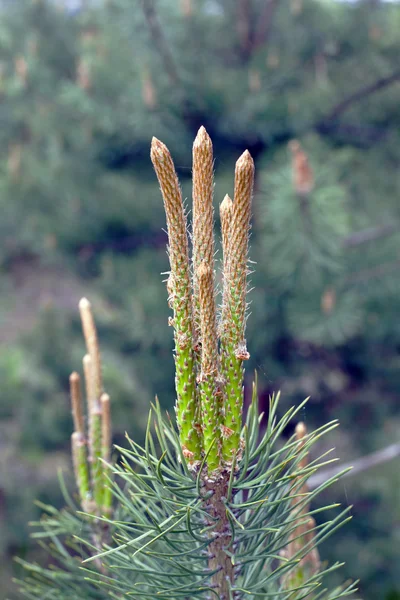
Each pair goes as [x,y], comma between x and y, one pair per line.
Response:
[80,91]
[219,510]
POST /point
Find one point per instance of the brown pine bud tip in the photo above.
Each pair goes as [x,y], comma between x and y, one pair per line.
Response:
[158,150]
[74,377]
[245,161]
[84,304]
[244,180]
[226,206]
[301,430]
[202,138]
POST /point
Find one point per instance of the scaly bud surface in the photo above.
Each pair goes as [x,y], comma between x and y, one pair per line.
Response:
[92,344]
[98,410]
[81,471]
[234,311]
[226,214]
[89,383]
[209,366]
[95,451]
[76,403]
[179,284]
[203,214]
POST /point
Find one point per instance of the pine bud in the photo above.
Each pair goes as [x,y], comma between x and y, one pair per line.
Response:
[233,343]
[106,436]
[226,214]
[303,534]
[79,460]
[203,214]
[92,344]
[106,427]
[76,403]
[95,445]
[209,366]
[187,409]
[303,177]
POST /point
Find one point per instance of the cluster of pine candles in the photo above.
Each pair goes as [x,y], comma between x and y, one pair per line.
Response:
[216,449]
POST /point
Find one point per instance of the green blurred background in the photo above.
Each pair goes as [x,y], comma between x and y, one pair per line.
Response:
[83,87]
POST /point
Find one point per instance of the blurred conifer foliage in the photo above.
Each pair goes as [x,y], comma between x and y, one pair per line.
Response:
[211,507]
[312,89]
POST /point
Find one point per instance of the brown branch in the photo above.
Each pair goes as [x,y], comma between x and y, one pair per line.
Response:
[243,26]
[358,466]
[265,21]
[368,274]
[369,235]
[250,36]
[159,40]
[360,94]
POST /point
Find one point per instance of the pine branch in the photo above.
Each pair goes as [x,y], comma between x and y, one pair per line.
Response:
[254,33]
[369,235]
[233,342]
[366,275]
[360,95]
[216,509]
[159,40]
[265,23]
[179,287]
[357,466]
[203,214]
[208,377]
[244,26]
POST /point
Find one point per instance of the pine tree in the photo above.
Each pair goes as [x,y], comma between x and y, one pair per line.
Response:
[213,509]
[80,92]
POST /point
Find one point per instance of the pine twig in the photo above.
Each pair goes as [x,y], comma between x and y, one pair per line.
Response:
[233,343]
[92,344]
[209,367]
[203,217]
[356,466]
[98,405]
[303,534]
[179,283]
[159,40]
[78,441]
[76,403]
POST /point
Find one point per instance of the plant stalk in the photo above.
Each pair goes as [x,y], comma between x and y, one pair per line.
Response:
[219,560]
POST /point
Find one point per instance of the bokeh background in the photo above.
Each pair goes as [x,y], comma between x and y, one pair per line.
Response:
[83,87]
